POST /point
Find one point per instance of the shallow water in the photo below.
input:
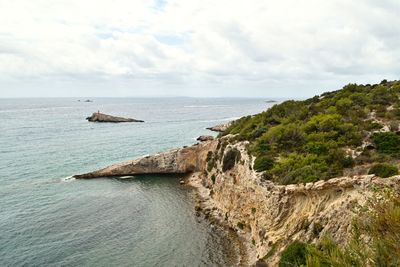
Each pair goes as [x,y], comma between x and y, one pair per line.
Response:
[46,219]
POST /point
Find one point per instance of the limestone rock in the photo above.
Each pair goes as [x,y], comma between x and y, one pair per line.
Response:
[220,127]
[101,117]
[204,138]
[175,161]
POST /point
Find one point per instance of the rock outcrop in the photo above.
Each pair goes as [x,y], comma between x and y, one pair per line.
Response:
[176,161]
[270,216]
[101,117]
[220,127]
[267,215]
[205,138]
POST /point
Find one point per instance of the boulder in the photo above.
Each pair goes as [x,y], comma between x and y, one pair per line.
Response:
[204,138]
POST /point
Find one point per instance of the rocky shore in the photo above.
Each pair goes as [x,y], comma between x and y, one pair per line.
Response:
[101,117]
[265,215]
[220,127]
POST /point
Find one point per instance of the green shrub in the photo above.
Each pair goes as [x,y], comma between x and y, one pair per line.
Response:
[383,170]
[263,163]
[294,255]
[240,225]
[318,131]
[306,174]
[372,125]
[387,143]
[231,157]
[286,137]
[213,178]
[299,168]
[317,228]
[253,210]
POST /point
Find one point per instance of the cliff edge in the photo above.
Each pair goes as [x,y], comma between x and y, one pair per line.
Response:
[266,214]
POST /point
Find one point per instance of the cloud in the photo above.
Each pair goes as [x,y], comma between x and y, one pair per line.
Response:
[232,48]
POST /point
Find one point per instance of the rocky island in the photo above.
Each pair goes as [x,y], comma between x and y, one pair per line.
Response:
[101,117]
[302,182]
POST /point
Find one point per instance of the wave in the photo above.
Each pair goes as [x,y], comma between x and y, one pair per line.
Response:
[222,120]
[34,109]
[68,179]
[126,177]
[204,106]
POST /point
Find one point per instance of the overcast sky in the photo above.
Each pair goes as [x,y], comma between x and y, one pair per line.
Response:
[252,48]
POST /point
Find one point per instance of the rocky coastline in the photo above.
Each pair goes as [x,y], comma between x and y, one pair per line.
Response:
[220,128]
[265,215]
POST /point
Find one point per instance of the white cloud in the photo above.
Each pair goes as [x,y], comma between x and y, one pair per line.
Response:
[125,47]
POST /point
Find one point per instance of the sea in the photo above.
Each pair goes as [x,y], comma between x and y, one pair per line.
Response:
[48,218]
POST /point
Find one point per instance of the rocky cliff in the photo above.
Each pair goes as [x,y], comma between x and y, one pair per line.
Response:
[270,216]
[267,215]
[180,161]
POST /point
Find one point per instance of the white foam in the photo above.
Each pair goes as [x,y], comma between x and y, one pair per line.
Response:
[126,177]
[68,179]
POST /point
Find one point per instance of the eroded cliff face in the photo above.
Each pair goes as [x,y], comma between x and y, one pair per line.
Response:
[179,161]
[271,216]
[267,215]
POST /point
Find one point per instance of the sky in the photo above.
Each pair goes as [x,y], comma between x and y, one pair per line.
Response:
[203,48]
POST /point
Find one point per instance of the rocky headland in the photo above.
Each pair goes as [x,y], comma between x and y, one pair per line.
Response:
[101,117]
[299,172]
[176,161]
[265,214]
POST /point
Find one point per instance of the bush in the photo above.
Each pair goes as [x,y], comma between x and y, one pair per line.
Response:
[286,137]
[387,143]
[318,131]
[294,255]
[299,168]
[240,225]
[231,157]
[383,170]
[306,174]
[213,178]
[263,163]
[372,125]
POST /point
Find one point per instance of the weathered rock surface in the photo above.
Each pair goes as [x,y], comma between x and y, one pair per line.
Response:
[101,117]
[205,138]
[267,215]
[176,161]
[220,127]
[274,215]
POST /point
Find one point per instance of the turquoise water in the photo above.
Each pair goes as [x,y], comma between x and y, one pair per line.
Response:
[47,220]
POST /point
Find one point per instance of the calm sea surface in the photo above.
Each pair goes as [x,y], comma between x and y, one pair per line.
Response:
[47,220]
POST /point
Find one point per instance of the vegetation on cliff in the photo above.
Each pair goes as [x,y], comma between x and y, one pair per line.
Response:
[319,138]
[375,240]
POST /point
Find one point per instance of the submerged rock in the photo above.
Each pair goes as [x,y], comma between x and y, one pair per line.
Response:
[101,117]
